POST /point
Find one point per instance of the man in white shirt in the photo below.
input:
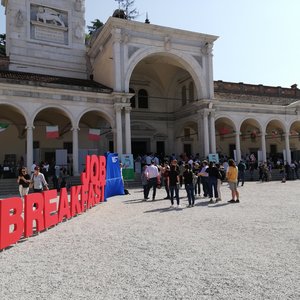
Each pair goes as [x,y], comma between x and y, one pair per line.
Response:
[153,177]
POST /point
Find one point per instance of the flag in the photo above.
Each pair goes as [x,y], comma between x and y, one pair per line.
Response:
[224,130]
[3,126]
[94,134]
[52,132]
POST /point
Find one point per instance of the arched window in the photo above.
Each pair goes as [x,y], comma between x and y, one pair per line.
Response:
[132,99]
[143,99]
[183,95]
[191,92]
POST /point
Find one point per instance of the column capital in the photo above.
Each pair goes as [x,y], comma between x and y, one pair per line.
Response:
[212,112]
[75,128]
[29,127]
[205,112]
[128,109]
[118,107]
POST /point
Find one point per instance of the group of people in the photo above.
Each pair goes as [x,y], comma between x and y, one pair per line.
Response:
[39,177]
[192,175]
[36,180]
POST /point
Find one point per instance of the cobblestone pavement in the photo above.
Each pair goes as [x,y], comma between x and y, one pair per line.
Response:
[130,249]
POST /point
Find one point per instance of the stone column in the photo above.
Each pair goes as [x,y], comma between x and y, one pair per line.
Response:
[117,58]
[212,133]
[75,150]
[206,133]
[207,50]
[29,136]
[127,130]
[238,146]
[119,132]
[200,133]
[263,146]
[287,147]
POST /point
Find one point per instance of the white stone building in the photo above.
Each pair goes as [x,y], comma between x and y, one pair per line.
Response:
[148,88]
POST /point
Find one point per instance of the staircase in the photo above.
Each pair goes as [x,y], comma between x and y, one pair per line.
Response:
[9,186]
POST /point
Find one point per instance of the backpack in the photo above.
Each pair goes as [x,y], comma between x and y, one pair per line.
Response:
[222,175]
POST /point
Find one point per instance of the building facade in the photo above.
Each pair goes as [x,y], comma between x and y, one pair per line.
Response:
[148,88]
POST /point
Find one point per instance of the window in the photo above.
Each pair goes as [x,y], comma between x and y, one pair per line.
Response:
[183,95]
[36,144]
[187,132]
[132,99]
[143,99]
[69,147]
[191,92]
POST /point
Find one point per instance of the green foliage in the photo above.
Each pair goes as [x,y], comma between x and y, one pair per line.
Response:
[95,25]
[131,12]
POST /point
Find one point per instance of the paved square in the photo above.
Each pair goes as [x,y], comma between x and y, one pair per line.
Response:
[130,249]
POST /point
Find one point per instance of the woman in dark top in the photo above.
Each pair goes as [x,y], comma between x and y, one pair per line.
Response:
[213,174]
[23,181]
[188,177]
[173,183]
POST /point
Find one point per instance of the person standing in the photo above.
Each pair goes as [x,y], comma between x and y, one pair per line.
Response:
[188,178]
[39,181]
[173,180]
[165,173]
[213,174]
[32,167]
[241,175]
[232,178]
[204,178]
[153,178]
[144,182]
[23,181]
[221,178]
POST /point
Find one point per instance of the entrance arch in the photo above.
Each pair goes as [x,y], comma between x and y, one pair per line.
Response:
[101,142]
[275,140]
[12,139]
[251,139]
[225,137]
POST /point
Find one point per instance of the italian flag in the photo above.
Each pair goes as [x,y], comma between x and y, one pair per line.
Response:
[52,132]
[94,134]
[3,126]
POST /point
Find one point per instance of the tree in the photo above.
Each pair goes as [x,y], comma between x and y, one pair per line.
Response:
[127,6]
[95,25]
[2,44]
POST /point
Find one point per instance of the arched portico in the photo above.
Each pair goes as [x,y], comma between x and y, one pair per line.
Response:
[277,140]
[153,56]
[12,139]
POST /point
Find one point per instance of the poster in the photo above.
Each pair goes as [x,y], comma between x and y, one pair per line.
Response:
[128,166]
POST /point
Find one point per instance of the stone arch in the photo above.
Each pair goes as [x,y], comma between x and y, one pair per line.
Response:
[225,129]
[294,139]
[189,63]
[59,108]
[103,113]
[275,138]
[250,135]
[14,119]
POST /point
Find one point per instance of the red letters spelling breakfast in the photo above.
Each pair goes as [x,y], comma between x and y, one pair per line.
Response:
[38,207]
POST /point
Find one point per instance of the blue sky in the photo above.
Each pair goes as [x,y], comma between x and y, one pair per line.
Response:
[258,39]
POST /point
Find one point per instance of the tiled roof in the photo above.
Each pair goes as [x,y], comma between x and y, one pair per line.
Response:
[55,81]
